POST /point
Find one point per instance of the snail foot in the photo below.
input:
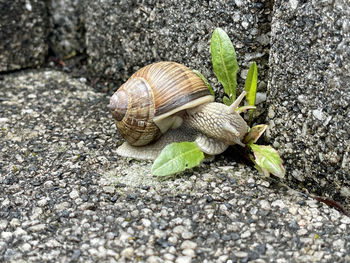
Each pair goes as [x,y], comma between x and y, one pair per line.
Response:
[210,146]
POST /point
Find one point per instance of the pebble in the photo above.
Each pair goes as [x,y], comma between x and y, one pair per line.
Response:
[345,220]
[293,210]
[86,206]
[264,204]
[318,114]
[26,247]
[43,202]
[128,252]
[183,259]
[187,235]
[189,252]
[339,244]
[74,194]
[179,229]
[15,222]
[52,243]
[36,213]
[37,228]
[278,203]
[187,244]
[19,232]
[246,234]
[109,189]
[302,232]
[241,254]
[3,224]
[2,245]
[154,259]
[6,235]
[168,256]
[146,222]
[62,206]
[173,240]
[223,258]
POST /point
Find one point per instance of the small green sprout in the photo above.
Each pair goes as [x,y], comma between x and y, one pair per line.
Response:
[178,157]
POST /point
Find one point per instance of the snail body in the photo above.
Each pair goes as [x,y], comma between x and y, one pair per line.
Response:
[166,102]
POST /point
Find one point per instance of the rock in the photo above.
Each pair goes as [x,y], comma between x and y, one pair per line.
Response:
[241,254]
[3,224]
[22,34]
[6,235]
[66,38]
[189,252]
[74,194]
[186,235]
[128,252]
[146,222]
[153,259]
[37,228]
[309,94]
[188,244]
[278,203]
[265,205]
[26,247]
[246,234]
[122,37]
[183,259]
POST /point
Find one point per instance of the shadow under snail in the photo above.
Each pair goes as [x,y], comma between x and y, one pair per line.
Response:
[167,102]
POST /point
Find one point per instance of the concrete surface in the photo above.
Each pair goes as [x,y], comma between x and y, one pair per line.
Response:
[23,34]
[67,31]
[66,197]
[309,94]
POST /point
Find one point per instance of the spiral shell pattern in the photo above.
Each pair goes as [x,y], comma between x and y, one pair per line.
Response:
[156,91]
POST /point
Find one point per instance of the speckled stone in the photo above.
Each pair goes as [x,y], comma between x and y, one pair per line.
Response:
[309,95]
[65,195]
[23,33]
[124,36]
[66,38]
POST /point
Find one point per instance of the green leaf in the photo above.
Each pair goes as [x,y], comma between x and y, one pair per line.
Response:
[205,81]
[254,134]
[244,108]
[268,160]
[251,86]
[226,101]
[224,61]
[177,157]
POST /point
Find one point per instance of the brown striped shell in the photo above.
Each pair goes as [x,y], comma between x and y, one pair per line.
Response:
[146,105]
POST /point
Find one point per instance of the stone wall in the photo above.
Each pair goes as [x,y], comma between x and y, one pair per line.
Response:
[67,31]
[309,94]
[23,34]
[122,37]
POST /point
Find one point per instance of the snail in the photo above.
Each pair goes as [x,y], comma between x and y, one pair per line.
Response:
[167,102]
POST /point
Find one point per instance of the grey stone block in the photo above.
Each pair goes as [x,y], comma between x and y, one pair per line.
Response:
[66,37]
[22,34]
[309,94]
[126,35]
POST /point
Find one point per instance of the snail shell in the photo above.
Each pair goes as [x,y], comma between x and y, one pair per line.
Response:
[153,100]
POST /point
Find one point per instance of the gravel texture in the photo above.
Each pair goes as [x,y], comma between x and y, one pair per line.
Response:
[22,34]
[66,37]
[309,95]
[66,197]
[123,36]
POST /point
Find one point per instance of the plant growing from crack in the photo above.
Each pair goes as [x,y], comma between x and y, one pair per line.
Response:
[178,157]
